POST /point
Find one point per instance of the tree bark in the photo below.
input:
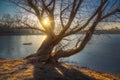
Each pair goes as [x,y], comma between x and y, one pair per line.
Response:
[43,53]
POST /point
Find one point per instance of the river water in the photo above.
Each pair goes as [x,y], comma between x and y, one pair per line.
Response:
[102,53]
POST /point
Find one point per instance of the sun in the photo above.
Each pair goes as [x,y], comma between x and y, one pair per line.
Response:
[46,22]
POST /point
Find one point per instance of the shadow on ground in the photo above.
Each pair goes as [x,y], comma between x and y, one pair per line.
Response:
[59,71]
[25,70]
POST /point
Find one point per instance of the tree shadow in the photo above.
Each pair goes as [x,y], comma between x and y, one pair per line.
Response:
[59,71]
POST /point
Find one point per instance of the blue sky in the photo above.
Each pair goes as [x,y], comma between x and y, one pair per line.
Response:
[6,7]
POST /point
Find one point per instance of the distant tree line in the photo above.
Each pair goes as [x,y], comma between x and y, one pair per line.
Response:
[17,24]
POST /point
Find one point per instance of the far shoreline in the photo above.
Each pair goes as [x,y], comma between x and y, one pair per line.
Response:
[12,34]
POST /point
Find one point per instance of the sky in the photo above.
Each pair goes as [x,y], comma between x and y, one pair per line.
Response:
[7,7]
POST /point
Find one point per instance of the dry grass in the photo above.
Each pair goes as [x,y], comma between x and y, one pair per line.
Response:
[21,70]
[15,70]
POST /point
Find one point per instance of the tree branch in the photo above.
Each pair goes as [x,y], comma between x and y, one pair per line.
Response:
[21,7]
[110,14]
[88,21]
[35,28]
[73,12]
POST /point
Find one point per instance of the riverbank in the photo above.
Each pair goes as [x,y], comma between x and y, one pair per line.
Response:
[22,70]
[19,33]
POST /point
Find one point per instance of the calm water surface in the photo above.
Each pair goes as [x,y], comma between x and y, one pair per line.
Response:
[102,53]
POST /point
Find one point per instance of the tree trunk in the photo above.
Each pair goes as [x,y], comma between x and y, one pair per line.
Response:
[43,53]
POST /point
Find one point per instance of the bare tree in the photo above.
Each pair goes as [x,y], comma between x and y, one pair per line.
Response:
[60,19]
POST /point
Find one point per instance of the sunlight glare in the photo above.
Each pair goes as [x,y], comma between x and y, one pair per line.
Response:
[59,71]
[44,37]
[46,22]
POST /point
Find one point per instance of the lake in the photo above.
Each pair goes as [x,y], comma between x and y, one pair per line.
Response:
[102,53]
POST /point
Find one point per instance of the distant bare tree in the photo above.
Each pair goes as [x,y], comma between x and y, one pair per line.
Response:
[6,20]
[60,19]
